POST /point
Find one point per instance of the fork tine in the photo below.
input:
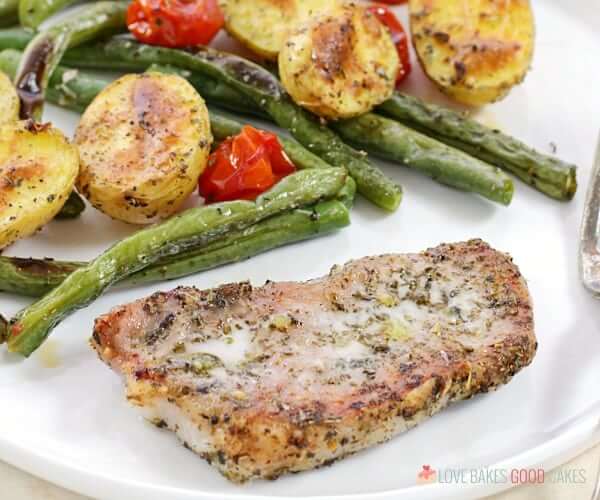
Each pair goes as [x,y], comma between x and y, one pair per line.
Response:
[589,259]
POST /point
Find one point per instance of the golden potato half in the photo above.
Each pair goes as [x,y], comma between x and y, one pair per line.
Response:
[38,167]
[143,142]
[9,101]
[340,65]
[475,51]
[264,25]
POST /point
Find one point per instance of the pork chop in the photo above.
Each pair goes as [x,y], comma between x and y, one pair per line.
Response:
[289,376]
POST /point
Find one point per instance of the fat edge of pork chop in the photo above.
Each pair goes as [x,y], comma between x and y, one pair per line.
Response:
[292,376]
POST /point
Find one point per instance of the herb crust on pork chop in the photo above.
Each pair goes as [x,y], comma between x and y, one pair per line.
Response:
[290,376]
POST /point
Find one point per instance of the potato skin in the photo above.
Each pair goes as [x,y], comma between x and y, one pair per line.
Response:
[143,142]
[264,25]
[340,65]
[475,51]
[9,101]
[38,168]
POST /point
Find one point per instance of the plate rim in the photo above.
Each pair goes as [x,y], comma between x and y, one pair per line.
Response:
[577,436]
[581,433]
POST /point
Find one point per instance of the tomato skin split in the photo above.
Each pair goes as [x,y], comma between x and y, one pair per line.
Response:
[244,166]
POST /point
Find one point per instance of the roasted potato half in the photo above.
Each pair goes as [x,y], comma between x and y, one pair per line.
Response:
[38,168]
[143,142]
[9,101]
[341,64]
[264,25]
[475,51]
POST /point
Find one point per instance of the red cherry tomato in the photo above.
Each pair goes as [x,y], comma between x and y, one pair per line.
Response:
[244,166]
[387,17]
[174,23]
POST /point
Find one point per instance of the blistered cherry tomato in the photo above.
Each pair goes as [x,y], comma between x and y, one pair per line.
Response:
[174,23]
[387,17]
[244,166]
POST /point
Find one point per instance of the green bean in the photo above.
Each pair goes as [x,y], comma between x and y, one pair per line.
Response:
[73,207]
[388,140]
[33,277]
[192,228]
[32,13]
[215,92]
[295,226]
[45,50]
[379,136]
[75,89]
[549,175]
[68,88]
[391,140]
[42,55]
[9,12]
[256,84]
[15,38]
[223,127]
[36,277]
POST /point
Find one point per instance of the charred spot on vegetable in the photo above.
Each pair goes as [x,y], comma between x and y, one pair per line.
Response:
[72,208]
[461,70]
[135,202]
[42,267]
[3,329]
[441,37]
[15,327]
[29,84]
[241,70]
[332,46]
[35,127]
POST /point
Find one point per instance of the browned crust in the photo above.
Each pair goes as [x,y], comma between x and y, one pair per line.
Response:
[16,173]
[250,442]
[468,52]
[333,45]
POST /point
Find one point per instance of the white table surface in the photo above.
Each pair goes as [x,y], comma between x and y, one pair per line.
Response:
[18,485]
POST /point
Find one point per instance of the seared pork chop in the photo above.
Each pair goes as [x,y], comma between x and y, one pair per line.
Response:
[290,376]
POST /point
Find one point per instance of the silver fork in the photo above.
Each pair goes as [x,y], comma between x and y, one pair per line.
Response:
[589,253]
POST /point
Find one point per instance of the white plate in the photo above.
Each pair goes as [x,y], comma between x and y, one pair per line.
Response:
[63,414]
